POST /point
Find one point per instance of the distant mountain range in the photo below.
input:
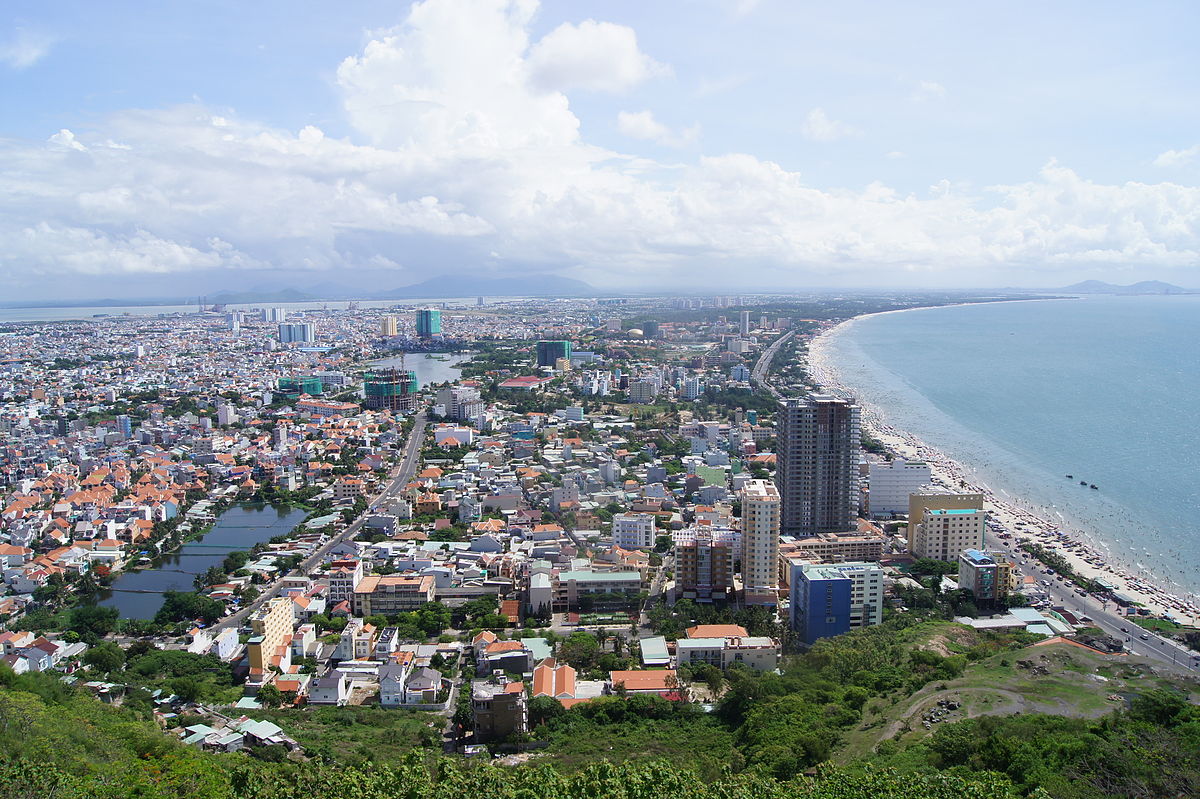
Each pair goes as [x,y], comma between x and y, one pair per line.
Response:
[1144,287]
[530,286]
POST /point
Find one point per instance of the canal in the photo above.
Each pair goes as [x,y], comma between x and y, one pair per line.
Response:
[138,594]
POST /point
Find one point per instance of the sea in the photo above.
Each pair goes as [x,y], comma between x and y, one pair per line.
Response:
[1022,394]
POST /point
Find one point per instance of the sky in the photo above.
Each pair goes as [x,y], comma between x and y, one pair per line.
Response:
[165,149]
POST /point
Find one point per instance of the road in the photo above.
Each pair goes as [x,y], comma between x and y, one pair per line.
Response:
[758,375]
[1063,595]
[400,477]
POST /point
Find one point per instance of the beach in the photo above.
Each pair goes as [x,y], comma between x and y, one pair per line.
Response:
[1017,518]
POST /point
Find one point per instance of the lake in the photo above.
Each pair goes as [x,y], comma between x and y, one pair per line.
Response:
[430,367]
[237,529]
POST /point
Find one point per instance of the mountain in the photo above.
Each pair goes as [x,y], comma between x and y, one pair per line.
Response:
[259,295]
[529,286]
[1144,287]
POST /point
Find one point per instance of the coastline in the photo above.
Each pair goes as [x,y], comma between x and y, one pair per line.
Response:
[1027,526]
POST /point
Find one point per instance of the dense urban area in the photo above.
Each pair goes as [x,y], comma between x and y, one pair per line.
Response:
[552,547]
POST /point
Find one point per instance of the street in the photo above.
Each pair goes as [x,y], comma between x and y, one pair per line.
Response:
[400,477]
[1063,594]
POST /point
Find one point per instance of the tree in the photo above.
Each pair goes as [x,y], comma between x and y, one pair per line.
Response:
[187,606]
[106,657]
[270,696]
[93,620]
[580,650]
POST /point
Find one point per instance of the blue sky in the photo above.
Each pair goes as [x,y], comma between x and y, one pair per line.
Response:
[630,144]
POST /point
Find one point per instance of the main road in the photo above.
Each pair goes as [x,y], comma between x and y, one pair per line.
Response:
[399,478]
[758,375]
[1065,594]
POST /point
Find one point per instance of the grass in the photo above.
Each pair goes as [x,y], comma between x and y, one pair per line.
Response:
[358,734]
[998,686]
[702,744]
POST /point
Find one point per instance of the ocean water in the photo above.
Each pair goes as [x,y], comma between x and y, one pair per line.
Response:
[1021,394]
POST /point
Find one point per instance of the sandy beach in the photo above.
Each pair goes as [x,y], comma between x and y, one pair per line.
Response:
[1024,524]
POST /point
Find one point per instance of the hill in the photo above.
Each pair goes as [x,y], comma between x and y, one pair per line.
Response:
[460,286]
[1144,287]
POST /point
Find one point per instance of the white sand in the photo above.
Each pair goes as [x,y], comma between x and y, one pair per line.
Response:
[1026,525]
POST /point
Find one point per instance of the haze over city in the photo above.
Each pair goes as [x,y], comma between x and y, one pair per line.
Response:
[167,151]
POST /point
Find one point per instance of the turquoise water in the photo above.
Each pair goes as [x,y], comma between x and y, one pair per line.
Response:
[1106,389]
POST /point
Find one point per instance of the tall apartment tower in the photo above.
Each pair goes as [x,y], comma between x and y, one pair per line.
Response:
[817,469]
[389,326]
[429,322]
[760,542]
[745,325]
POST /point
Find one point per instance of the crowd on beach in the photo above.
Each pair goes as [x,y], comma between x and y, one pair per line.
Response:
[1027,526]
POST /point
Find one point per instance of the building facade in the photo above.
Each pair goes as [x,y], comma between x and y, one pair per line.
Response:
[549,352]
[760,541]
[429,322]
[891,483]
[830,599]
[633,530]
[816,472]
[943,533]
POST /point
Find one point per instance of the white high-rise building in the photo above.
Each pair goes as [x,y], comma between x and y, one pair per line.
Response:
[760,542]
[693,387]
[633,530]
[943,533]
[891,484]
[305,333]
[389,326]
[745,325]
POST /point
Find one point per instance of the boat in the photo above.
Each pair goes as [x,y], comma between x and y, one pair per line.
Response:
[1083,482]
[1070,477]
[1093,485]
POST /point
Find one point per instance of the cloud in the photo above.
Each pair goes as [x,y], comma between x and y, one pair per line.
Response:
[1173,158]
[929,90]
[25,48]
[817,126]
[643,125]
[599,56]
[460,159]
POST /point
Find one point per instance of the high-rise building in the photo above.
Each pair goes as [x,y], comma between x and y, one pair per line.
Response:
[429,322]
[390,389]
[297,332]
[943,533]
[293,387]
[233,320]
[548,352]
[693,387]
[270,628]
[921,501]
[389,326]
[817,468]
[650,329]
[274,314]
[744,327]
[830,599]
[760,542]
[125,426]
[704,562]
[891,483]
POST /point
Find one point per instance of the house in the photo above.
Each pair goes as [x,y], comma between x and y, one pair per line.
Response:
[332,689]
[423,687]
[663,682]
[554,680]
[500,710]
[393,679]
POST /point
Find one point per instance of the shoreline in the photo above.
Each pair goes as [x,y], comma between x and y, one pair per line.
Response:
[1025,525]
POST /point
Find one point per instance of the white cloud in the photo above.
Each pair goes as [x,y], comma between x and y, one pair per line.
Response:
[896,154]
[25,48]
[592,55]
[817,126]
[643,125]
[471,161]
[930,90]
[1173,158]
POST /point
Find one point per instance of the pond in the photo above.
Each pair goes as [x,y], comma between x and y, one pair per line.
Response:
[138,594]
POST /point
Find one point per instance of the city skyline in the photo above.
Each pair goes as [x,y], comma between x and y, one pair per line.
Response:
[629,147]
